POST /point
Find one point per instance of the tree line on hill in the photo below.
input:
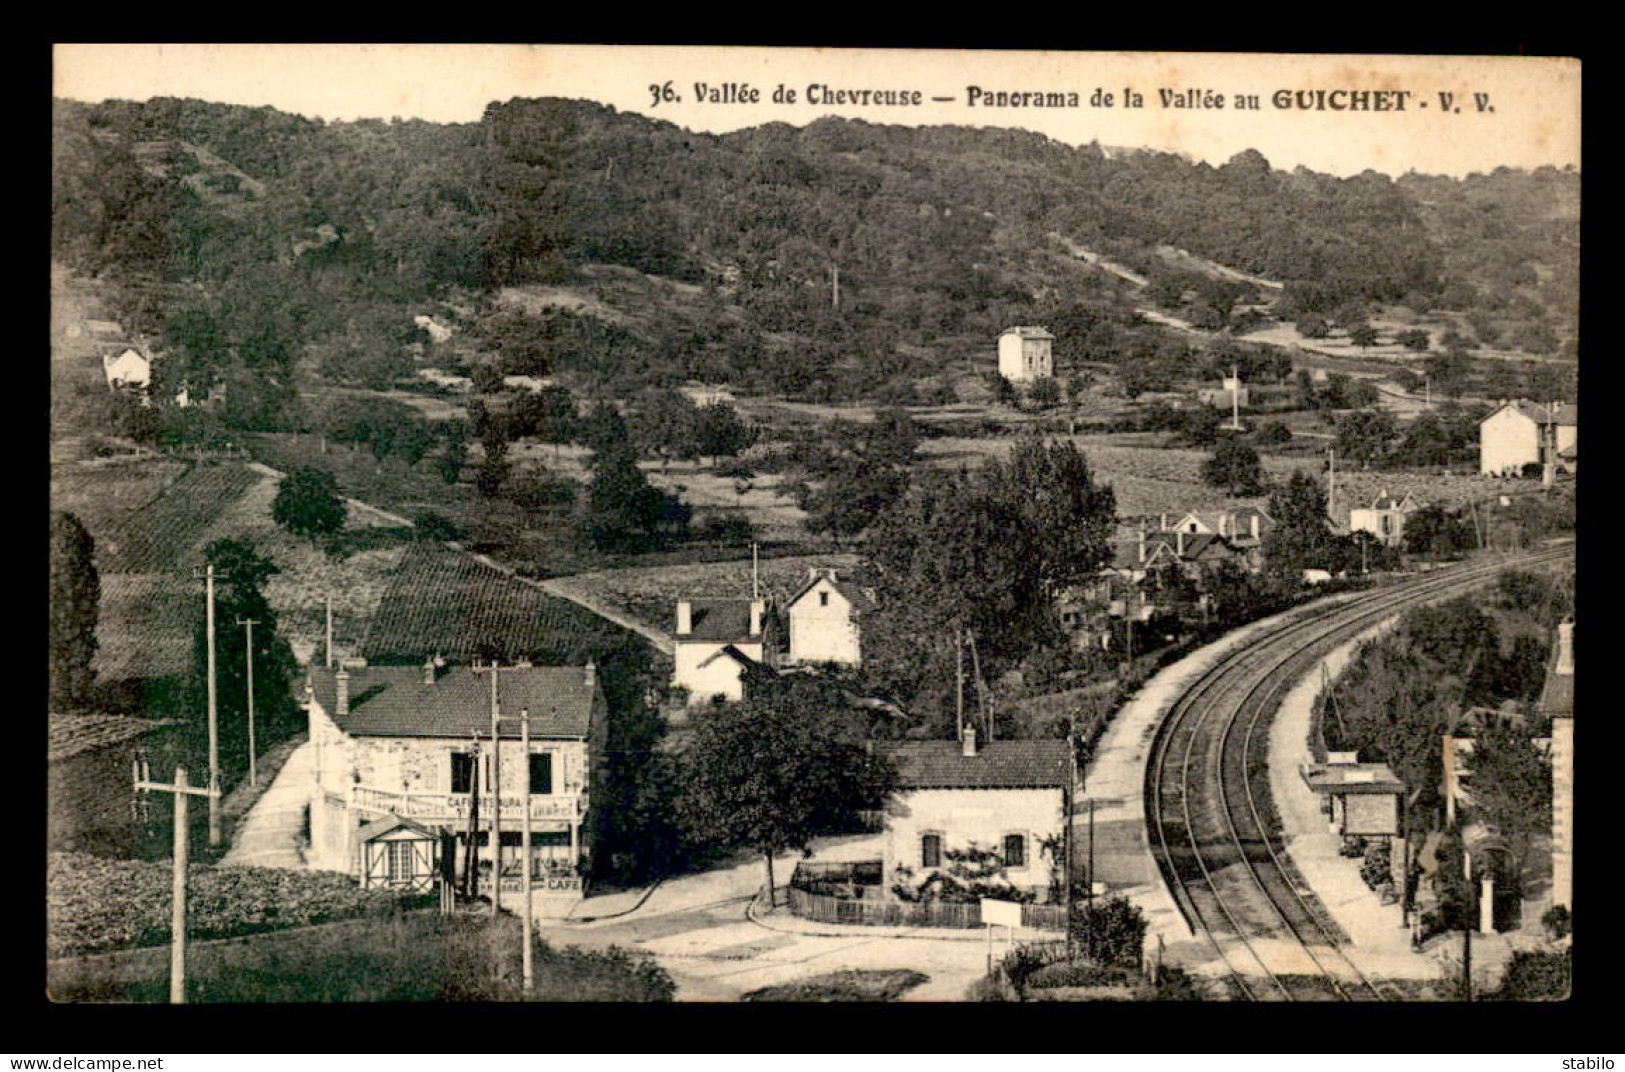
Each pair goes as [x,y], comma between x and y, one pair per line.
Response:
[940,235]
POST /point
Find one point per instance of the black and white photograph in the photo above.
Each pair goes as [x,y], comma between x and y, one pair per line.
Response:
[589,523]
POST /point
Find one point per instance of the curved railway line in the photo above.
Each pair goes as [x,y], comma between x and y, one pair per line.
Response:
[1208,799]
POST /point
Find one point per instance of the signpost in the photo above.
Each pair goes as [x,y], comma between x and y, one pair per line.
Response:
[997,913]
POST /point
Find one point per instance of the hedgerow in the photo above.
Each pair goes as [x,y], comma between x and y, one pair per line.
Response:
[94,904]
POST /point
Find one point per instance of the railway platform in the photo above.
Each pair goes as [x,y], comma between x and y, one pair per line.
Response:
[1381,940]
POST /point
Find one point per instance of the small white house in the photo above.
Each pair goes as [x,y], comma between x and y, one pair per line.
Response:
[1026,354]
[1522,433]
[1384,518]
[824,619]
[127,368]
[1007,798]
[717,645]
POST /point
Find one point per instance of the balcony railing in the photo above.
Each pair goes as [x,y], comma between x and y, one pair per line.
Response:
[444,806]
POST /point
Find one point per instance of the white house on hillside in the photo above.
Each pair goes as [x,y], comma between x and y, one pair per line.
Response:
[1522,433]
[1384,518]
[824,619]
[404,764]
[717,645]
[1026,354]
[127,367]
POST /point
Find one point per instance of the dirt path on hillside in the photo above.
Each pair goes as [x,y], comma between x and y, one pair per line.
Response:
[560,588]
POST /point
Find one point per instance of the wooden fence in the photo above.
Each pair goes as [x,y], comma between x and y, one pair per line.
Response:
[874,913]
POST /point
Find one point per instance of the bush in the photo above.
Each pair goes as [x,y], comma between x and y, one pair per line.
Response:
[1112,930]
[94,904]
[417,959]
[433,526]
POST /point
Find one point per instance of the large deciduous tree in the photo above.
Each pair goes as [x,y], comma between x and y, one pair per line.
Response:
[1301,538]
[622,512]
[75,595]
[981,555]
[1363,436]
[240,576]
[308,504]
[1234,466]
[774,772]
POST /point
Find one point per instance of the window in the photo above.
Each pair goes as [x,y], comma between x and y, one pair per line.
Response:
[462,772]
[400,860]
[931,850]
[823,599]
[541,772]
[1015,850]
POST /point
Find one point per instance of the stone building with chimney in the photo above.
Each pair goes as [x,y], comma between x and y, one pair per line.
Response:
[411,785]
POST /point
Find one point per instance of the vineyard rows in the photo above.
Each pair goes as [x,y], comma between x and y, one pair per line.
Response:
[442,603]
[145,629]
[163,534]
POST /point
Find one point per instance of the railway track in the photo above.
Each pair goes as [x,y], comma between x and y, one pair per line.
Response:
[1208,800]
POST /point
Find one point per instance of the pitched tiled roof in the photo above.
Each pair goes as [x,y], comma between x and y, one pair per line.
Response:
[718,619]
[996,765]
[393,701]
[70,735]
[1566,414]
[391,822]
[860,596]
[1028,332]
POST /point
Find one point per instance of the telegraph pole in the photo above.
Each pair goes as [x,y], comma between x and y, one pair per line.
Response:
[214,729]
[496,669]
[253,756]
[177,918]
[329,602]
[527,968]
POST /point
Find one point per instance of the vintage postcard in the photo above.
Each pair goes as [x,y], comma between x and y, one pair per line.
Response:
[559,523]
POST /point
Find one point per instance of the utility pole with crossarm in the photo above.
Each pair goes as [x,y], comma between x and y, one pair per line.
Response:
[177,920]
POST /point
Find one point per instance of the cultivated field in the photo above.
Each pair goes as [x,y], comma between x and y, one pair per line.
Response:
[151,521]
[441,602]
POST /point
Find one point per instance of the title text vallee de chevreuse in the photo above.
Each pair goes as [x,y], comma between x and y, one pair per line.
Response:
[1336,100]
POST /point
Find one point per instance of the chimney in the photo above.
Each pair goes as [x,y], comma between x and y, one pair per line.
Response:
[341,681]
[428,671]
[756,609]
[1255,526]
[1179,543]
[685,618]
[1162,525]
[1565,648]
[1142,545]
[591,675]
[967,743]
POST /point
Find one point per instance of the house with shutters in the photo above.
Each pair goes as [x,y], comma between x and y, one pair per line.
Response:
[1385,517]
[1521,433]
[1026,354]
[410,783]
[718,645]
[825,619]
[966,799]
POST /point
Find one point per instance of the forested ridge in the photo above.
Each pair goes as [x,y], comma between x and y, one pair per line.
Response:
[248,239]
